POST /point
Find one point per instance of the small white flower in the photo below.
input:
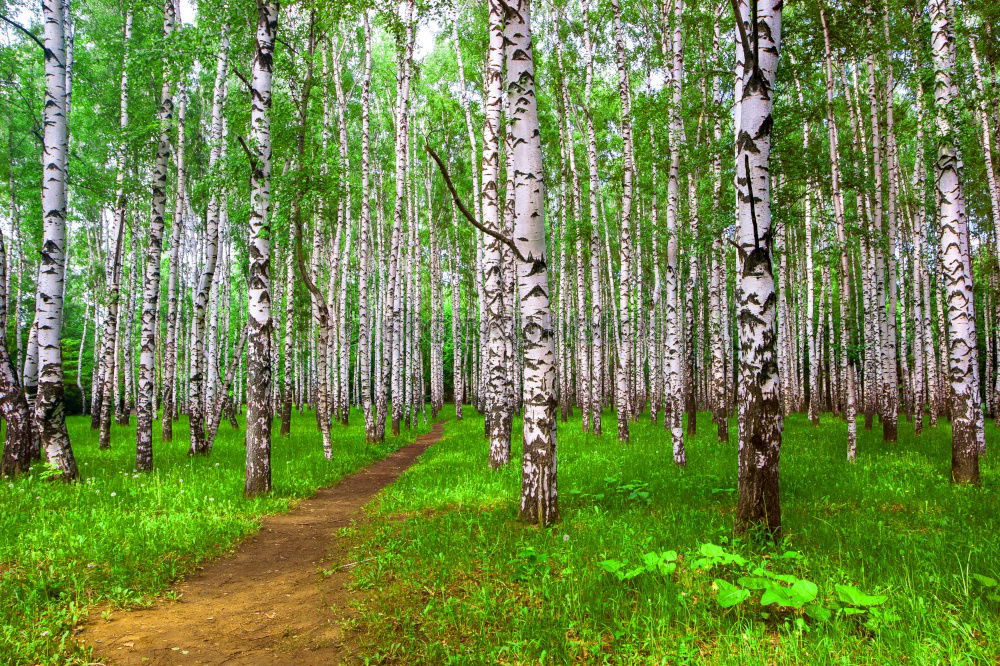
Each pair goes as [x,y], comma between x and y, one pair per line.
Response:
[114,494]
[211,499]
[10,485]
[565,537]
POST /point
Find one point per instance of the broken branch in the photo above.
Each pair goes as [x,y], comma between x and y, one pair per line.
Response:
[465,211]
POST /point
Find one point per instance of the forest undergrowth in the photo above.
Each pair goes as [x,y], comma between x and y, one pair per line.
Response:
[119,538]
[883,560]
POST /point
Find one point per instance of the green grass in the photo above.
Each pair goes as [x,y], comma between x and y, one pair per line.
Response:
[461,581]
[120,537]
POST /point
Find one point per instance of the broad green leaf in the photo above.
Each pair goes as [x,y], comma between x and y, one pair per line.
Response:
[632,573]
[985,580]
[804,591]
[729,595]
[611,566]
[818,612]
[855,597]
[777,595]
[754,582]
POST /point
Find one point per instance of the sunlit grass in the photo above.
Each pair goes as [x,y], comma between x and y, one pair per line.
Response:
[460,580]
[120,537]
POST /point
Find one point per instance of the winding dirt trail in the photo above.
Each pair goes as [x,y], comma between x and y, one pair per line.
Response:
[269,602]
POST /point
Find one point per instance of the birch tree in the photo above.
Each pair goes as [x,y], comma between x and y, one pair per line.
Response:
[49,406]
[539,496]
[760,421]
[154,248]
[956,268]
[258,439]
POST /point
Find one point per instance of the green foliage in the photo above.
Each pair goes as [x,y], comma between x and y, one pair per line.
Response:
[457,579]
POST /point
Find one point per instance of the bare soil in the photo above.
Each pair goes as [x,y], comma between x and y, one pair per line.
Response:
[270,602]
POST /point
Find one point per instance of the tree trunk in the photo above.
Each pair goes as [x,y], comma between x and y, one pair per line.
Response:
[623,369]
[760,421]
[963,361]
[845,368]
[539,499]
[259,323]
[199,379]
[151,281]
[596,307]
[365,248]
[19,439]
[50,408]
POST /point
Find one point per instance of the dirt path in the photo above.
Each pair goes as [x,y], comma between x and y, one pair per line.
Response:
[269,602]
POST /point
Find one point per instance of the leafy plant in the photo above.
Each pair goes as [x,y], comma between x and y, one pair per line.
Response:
[664,563]
[621,570]
[990,584]
[528,563]
[729,595]
[852,596]
[710,555]
[780,589]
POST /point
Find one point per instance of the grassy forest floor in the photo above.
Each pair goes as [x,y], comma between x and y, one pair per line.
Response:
[900,561]
[883,560]
[120,538]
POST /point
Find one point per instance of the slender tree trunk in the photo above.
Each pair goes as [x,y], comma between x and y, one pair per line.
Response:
[596,306]
[539,498]
[19,439]
[258,438]
[364,248]
[154,250]
[963,362]
[177,225]
[496,406]
[397,284]
[458,373]
[623,370]
[199,379]
[50,408]
[673,342]
[845,368]
[760,419]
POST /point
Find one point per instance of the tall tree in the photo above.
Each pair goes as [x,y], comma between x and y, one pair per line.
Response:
[956,265]
[760,421]
[258,439]
[154,250]
[49,407]
[539,497]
